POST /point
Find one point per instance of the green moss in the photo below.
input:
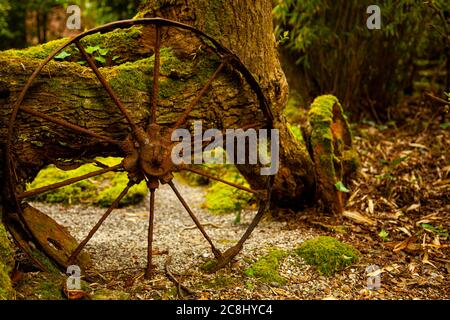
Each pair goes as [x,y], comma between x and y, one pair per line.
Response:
[101,190]
[6,251]
[41,286]
[293,111]
[140,73]
[222,198]
[148,8]
[322,109]
[212,25]
[221,281]
[170,63]
[49,264]
[117,41]
[106,294]
[327,254]
[350,160]
[296,132]
[135,195]
[266,268]
[209,265]
[6,265]
[41,51]
[321,116]
[191,179]
[50,290]
[6,290]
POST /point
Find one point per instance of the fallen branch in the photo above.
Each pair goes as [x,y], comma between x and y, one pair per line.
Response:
[433,97]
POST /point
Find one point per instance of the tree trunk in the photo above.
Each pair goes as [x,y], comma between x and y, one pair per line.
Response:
[70,91]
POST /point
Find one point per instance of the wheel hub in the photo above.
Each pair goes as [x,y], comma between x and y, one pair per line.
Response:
[149,155]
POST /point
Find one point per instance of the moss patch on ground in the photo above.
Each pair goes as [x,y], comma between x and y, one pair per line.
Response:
[107,294]
[266,268]
[41,286]
[101,190]
[327,254]
[220,281]
[209,265]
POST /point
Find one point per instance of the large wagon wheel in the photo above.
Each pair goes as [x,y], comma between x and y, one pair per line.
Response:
[146,150]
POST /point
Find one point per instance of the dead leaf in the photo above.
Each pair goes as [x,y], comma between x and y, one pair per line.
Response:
[413,207]
[436,241]
[428,218]
[405,231]
[371,206]
[426,260]
[350,200]
[409,244]
[418,145]
[359,218]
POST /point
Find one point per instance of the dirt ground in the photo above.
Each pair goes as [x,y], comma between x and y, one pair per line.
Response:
[397,217]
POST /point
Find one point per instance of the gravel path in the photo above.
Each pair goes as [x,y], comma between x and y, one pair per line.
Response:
[121,242]
[118,251]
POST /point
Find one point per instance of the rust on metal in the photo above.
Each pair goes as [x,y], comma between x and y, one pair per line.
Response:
[147,152]
[83,243]
[150,266]
[216,252]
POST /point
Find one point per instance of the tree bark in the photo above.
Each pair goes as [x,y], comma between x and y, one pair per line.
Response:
[70,91]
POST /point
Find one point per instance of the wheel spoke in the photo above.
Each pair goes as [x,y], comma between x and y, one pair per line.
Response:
[229,254]
[207,175]
[205,143]
[233,251]
[156,75]
[99,223]
[68,125]
[149,270]
[64,183]
[216,252]
[107,87]
[198,97]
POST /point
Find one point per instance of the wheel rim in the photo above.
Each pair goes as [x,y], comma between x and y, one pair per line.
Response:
[147,150]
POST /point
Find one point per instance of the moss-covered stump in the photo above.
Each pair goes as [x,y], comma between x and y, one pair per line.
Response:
[6,265]
[266,268]
[334,158]
[327,254]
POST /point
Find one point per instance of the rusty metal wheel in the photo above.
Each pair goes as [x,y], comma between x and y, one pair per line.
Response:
[145,150]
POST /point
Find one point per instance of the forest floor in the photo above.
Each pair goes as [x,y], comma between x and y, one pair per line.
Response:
[398,217]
